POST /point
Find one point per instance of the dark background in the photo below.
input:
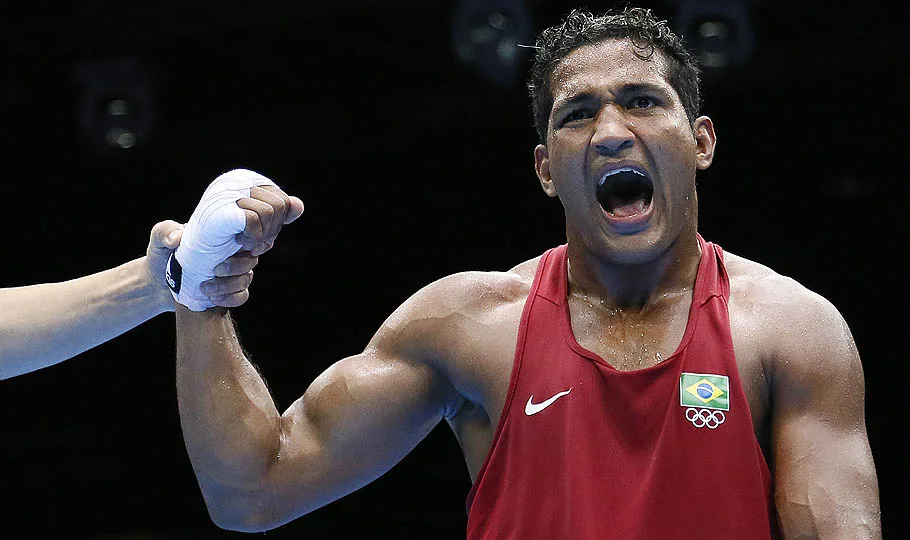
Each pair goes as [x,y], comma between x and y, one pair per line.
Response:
[413,165]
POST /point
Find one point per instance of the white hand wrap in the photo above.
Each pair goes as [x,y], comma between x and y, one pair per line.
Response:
[210,237]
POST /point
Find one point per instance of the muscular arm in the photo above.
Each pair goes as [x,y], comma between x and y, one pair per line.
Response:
[825,480]
[259,468]
[41,325]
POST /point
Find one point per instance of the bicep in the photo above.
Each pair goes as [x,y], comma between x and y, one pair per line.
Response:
[825,482]
[354,422]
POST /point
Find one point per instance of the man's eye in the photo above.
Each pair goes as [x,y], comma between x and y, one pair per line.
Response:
[579,114]
[643,102]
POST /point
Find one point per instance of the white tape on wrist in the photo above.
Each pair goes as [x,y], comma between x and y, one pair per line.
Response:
[210,236]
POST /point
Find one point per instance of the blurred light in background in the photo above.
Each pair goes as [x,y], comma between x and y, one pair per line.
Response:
[116,106]
[719,32]
[487,35]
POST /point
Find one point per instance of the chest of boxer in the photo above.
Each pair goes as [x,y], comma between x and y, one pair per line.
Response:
[627,342]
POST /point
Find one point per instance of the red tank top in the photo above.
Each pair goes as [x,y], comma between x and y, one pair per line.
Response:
[586,452]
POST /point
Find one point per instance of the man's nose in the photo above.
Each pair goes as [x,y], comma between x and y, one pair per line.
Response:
[612,134]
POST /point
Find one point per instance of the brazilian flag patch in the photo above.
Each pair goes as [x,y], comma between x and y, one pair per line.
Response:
[704,390]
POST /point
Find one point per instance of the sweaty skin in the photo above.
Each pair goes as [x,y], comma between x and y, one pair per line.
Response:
[447,352]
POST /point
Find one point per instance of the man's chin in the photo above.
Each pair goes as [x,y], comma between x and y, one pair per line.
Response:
[639,248]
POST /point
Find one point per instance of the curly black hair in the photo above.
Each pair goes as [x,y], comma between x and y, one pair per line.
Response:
[646,32]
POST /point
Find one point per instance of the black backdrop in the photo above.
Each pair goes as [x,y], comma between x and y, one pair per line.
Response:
[412,166]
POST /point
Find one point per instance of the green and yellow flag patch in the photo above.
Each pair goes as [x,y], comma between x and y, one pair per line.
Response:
[705,391]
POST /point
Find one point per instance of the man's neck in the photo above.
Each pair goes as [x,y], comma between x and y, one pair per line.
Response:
[634,286]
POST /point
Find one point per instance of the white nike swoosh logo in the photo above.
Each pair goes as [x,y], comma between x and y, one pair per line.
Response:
[533,408]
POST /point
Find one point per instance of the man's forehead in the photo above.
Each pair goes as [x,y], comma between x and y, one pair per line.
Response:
[612,62]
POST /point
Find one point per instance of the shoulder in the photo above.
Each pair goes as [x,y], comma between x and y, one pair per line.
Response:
[457,307]
[768,294]
[470,292]
[800,333]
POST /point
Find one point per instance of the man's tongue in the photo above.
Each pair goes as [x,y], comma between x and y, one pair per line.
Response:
[621,207]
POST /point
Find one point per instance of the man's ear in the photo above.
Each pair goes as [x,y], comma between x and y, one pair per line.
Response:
[705,142]
[542,167]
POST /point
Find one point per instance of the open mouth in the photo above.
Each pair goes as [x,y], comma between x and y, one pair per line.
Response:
[625,192]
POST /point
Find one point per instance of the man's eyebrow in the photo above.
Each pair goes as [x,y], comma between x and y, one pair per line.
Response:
[574,100]
[650,88]
[630,88]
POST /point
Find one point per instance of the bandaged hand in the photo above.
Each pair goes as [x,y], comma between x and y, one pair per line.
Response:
[240,209]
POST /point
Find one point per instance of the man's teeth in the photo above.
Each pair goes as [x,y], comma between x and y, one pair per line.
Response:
[603,180]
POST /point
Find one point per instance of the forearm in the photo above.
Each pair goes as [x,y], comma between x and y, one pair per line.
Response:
[230,424]
[41,325]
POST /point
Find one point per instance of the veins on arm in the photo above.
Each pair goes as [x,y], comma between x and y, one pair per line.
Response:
[825,480]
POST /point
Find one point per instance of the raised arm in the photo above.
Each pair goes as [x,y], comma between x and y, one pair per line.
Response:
[825,480]
[259,468]
[41,325]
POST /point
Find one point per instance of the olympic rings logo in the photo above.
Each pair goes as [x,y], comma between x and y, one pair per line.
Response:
[705,417]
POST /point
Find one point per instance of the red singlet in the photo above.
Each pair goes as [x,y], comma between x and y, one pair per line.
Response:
[586,452]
